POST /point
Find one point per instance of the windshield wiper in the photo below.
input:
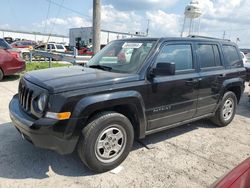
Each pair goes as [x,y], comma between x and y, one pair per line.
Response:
[102,67]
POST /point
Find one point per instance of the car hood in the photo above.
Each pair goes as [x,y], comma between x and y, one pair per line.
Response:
[75,77]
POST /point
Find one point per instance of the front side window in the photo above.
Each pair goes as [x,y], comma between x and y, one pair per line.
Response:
[232,57]
[208,55]
[180,54]
[51,46]
[122,56]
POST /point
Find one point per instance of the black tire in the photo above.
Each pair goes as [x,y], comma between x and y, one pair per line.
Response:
[1,74]
[95,132]
[223,119]
[26,56]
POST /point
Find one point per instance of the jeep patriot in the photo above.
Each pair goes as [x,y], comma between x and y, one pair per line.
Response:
[130,89]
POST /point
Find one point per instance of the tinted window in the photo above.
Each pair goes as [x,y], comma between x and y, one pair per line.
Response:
[231,56]
[179,54]
[208,55]
[217,55]
[122,56]
[26,43]
[40,47]
[4,44]
[51,46]
[60,47]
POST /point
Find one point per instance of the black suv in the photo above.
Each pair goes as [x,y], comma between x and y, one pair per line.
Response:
[130,89]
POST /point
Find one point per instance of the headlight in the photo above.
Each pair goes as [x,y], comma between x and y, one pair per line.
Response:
[41,102]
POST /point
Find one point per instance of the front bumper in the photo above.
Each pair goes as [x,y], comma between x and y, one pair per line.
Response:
[42,132]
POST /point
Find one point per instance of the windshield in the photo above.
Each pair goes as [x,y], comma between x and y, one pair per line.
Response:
[122,56]
[4,44]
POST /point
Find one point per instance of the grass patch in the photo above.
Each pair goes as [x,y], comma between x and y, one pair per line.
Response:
[30,66]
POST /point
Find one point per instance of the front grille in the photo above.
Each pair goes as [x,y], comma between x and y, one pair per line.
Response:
[25,97]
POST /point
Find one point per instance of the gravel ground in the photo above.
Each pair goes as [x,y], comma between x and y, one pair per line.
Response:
[193,155]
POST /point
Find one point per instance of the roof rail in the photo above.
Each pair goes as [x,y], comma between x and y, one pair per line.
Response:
[205,37]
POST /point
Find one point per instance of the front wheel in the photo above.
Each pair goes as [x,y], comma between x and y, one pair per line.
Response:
[1,75]
[226,111]
[106,141]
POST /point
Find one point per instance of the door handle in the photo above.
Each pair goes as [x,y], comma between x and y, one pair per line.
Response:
[221,76]
[192,82]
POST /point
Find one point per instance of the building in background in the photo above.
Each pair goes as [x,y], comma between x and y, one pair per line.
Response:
[80,37]
[34,36]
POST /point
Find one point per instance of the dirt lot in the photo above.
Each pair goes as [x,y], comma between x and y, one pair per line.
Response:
[193,155]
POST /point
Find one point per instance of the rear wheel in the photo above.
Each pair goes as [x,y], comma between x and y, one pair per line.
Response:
[106,141]
[1,74]
[226,112]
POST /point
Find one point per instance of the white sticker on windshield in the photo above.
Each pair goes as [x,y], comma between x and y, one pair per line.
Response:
[131,45]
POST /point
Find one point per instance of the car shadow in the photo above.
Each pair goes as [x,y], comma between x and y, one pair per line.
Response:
[10,78]
[244,106]
[20,160]
[174,132]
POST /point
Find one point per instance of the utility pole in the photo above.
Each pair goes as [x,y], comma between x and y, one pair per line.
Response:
[224,34]
[147,31]
[96,25]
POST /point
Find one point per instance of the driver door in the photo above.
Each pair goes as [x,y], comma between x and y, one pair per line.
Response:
[173,98]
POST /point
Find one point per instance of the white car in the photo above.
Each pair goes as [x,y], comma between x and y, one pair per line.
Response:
[245,61]
[54,47]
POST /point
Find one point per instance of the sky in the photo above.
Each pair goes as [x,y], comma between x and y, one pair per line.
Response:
[165,17]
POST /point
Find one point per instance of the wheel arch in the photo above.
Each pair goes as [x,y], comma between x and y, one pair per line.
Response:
[128,103]
[235,85]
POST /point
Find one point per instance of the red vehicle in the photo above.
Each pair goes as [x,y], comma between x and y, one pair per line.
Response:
[85,51]
[23,44]
[239,177]
[10,60]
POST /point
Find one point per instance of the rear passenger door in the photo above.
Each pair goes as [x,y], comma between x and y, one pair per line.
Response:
[212,75]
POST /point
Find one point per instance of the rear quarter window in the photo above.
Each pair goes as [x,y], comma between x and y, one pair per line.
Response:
[60,47]
[232,58]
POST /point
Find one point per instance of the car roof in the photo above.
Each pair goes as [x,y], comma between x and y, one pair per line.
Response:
[197,38]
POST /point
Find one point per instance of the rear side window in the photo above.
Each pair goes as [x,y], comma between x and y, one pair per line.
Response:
[231,56]
[60,47]
[180,54]
[208,55]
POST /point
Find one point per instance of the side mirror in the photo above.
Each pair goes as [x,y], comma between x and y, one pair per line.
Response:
[163,69]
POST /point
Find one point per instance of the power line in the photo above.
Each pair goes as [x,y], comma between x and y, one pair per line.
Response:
[223,29]
[13,12]
[58,12]
[47,16]
[69,9]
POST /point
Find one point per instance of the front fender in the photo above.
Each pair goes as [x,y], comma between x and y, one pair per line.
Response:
[90,104]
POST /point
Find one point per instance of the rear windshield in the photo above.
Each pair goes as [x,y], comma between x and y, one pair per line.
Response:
[4,44]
